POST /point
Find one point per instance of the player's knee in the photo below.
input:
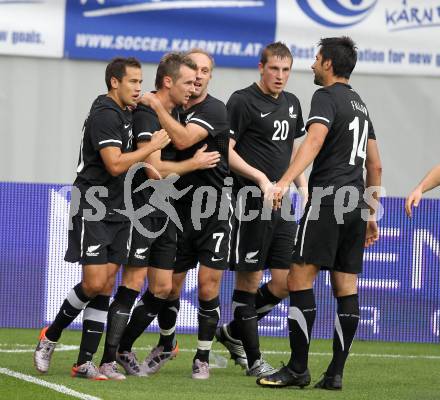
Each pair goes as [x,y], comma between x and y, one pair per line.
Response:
[174,293]
[134,282]
[208,292]
[94,287]
[209,287]
[248,282]
[344,290]
[279,288]
[162,290]
[295,284]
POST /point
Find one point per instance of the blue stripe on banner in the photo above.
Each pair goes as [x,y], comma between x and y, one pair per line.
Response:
[23,238]
[147,29]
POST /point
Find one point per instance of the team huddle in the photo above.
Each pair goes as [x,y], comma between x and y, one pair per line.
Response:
[209,187]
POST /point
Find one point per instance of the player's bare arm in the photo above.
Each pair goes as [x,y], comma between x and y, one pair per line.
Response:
[117,162]
[202,159]
[301,181]
[430,181]
[182,136]
[373,165]
[307,152]
[241,167]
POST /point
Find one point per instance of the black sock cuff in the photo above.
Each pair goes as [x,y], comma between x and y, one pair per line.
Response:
[240,296]
[348,304]
[79,291]
[209,304]
[126,296]
[264,292]
[148,296]
[100,302]
[303,299]
[173,303]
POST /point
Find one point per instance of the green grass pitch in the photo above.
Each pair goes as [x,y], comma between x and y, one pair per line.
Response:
[375,370]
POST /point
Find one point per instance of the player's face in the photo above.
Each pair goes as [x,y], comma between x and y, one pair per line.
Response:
[183,88]
[129,88]
[275,74]
[318,70]
[204,73]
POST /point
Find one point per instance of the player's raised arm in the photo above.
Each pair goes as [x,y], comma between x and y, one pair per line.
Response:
[181,136]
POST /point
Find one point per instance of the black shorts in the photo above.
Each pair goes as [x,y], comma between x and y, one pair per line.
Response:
[210,245]
[149,251]
[323,242]
[261,243]
[97,242]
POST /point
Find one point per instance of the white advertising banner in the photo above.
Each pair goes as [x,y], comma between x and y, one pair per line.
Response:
[393,36]
[32,28]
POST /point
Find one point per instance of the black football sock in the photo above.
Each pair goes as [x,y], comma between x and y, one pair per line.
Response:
[118,316]
[143,315]
[208,317]
[346,323]
[95,316]
[302,312]
[265,301]
[245,325]
[74,303]
[167,318]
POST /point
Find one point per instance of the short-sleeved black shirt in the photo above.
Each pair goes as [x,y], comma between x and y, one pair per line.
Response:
[340,162]
[106,125]
[264,129]
[210,114]
[145,123]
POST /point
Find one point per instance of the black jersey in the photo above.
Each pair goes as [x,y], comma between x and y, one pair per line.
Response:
[340,163]
[264,129]
[209,114]
[145,123]
[106,125]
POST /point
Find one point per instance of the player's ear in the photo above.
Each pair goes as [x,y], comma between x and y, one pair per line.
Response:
[114,82]
[167,82]
[260,68]
[327,64]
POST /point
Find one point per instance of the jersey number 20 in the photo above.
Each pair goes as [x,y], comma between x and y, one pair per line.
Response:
[281,130]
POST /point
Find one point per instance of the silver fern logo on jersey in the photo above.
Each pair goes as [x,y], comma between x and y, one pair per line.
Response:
[292,113]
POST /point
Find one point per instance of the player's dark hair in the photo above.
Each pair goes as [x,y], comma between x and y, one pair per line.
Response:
[170,64]
[197,50]
[276,49]
[117,68]
[342,52]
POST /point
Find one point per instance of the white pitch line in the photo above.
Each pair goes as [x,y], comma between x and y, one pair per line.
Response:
[61,347]
[58,388]
[371,355]
[274,352]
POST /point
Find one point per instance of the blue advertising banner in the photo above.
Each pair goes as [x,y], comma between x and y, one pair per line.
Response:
[234,32]
[399,289]
[392,36]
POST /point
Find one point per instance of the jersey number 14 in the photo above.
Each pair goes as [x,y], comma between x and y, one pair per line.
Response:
[359,146]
